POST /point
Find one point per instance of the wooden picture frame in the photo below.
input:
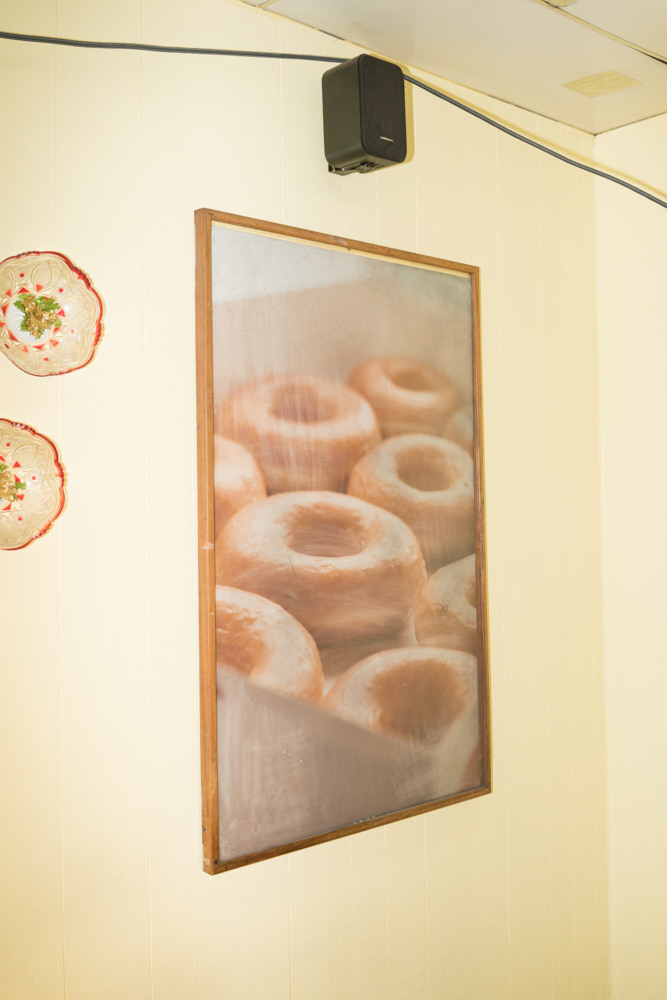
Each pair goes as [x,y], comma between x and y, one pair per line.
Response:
[344,665]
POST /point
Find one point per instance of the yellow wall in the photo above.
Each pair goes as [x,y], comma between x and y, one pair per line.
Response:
[632,262]
[106,155]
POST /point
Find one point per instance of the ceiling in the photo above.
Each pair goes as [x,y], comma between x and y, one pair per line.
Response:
[522,51]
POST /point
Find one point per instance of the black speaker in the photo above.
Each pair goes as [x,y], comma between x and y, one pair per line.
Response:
[363,101]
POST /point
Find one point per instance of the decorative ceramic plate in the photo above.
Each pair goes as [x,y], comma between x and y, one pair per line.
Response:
[50,314]
[32,484]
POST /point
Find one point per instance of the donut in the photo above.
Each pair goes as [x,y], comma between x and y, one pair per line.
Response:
[459,428]
[409,397]
[237,480]
[305,432]
[446,611]
[429,483]
[345,569]
[417,694]
[259,639]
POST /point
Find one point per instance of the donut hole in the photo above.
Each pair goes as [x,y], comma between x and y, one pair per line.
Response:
[425,476]
[334,535]
[414,379]
[303,405]
[419,702]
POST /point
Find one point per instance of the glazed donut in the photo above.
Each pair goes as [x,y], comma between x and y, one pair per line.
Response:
[237,480]
[305,432]
[259,639]
[429,483]
[344,568]
[414,693]
[446,611]
[408,396]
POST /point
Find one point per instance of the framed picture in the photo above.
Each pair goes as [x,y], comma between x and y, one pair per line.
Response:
[342,575]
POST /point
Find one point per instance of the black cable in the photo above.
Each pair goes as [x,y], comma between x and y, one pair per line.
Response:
[141,47]
[183,50]
[537,145]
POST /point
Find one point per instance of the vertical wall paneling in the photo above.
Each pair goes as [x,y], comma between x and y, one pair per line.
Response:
[234,135]
[407,955]
[632,256]
[490,868]
[103,561]
[596,598]
[397,188]
[580,500]
[521,336]
[339,949]
[322,937]
[369,917]
[499,897]
[571,473]
[452,934]
[560,357]
[30,855]
[171,600]
[244,933]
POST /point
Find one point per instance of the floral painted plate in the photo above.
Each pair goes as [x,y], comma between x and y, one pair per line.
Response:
[32,484]
[50,314]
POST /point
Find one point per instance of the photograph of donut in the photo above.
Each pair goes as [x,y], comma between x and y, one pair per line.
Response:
[342,575]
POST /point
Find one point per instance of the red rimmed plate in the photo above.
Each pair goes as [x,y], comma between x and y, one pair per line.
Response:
[51,316]
[32,484]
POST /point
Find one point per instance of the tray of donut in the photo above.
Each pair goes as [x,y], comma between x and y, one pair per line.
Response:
[346,631]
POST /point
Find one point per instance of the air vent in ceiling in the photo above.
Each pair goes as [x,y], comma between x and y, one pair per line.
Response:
[602,83]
